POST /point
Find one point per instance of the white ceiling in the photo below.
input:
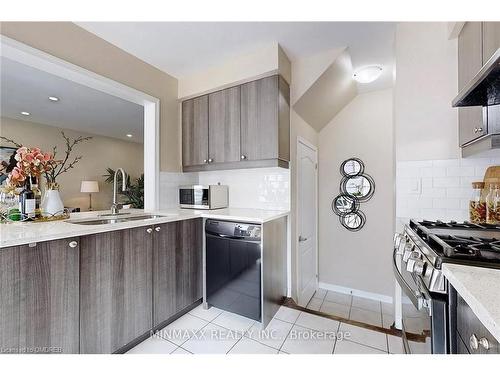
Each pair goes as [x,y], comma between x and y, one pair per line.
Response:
[81,108]
[184,48]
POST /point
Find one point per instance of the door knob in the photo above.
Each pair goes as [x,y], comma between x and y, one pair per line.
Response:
[243,157]
[157,229]
[210,160]
[302,239]
[73,244]
[149,230]
[205,160]
[483,341]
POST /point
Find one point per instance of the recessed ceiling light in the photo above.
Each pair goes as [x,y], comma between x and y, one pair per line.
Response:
[367,74]
[53,98]
[129,135]
[24,113]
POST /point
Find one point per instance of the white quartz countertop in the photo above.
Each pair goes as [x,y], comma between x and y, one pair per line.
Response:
[14,234]
[480,288]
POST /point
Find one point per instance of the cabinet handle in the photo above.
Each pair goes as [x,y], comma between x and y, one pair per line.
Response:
[157,229]
[474,342]
[73,244]
[243,157]
[210,160]
[483,341]
[149,230]
[205,161]
[479,130]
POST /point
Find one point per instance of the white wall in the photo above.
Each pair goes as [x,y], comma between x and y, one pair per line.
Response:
[359,260]
[97,154]
[426,82]
[264,60]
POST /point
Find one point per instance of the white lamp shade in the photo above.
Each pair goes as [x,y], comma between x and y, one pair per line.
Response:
[89,187]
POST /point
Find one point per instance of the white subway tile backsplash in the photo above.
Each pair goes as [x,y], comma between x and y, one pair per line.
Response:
[444,182]
[264,188]
[460,171]
[445,187]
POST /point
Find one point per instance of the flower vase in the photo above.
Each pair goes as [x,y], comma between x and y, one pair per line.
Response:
[52,203]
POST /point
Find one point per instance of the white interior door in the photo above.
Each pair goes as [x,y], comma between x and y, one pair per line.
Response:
[307,222]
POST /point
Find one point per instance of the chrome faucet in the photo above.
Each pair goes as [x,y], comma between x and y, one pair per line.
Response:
[115,207]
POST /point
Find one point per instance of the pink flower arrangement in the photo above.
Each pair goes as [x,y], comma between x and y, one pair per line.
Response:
[30,162]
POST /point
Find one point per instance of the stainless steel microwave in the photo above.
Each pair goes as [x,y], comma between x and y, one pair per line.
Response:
[204,197]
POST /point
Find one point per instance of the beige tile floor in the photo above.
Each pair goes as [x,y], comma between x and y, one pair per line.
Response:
[214,331]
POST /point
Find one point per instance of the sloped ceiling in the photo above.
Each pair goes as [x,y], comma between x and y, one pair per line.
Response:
[331,92]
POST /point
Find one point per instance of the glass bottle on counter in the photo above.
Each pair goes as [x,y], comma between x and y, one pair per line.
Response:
[493,205]
[27,201]
[477,204]
[38,197]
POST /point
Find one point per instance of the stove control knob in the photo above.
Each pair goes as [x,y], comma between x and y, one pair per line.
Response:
[415,255]
[419,267]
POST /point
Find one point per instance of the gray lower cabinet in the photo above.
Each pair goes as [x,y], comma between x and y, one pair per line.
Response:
[177,267]
[39,305]
[195,131]
[472,333]
[224,126]
[115,289]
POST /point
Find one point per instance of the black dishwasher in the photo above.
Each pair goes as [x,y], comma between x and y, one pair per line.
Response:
[233,267]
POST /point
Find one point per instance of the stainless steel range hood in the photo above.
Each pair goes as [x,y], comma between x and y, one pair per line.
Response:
[484,88]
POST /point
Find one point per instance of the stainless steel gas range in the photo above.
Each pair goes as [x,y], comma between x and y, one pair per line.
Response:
[418,255]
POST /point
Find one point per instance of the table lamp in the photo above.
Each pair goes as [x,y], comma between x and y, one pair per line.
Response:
[89,187]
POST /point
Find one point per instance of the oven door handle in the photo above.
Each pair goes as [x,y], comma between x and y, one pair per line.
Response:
[414,295]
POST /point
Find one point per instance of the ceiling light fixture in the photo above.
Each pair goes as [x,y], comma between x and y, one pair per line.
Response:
[367,74]
[53,98]
[24,113]
[129,135]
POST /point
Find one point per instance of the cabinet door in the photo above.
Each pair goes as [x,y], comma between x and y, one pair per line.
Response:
[259,119]
[177,267]
[491,39]
[195,131]
[224,125]
[164,248]
[9,299]
[470,59]
[469,63]
[189,263]
[115,289]
[39,302]
[471,124]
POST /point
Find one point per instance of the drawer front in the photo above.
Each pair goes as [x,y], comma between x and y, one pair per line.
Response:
[468,325]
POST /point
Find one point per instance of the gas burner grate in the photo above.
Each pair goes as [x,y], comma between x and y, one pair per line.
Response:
[462,247]
[456,225]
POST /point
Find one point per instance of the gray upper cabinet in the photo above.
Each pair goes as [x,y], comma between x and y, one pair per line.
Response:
[259,119]
[195,131]
[491,39]
[115,289]
[39,304]
[248,127]
[224,126]
[470,119]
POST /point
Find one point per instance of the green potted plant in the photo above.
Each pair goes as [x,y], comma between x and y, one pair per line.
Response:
[134,195]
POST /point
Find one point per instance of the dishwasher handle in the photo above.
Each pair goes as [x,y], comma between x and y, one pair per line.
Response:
[229,237]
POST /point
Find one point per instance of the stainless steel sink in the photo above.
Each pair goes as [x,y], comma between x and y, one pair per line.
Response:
[113,220]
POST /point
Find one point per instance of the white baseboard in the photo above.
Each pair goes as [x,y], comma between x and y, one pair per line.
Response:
[356,292]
